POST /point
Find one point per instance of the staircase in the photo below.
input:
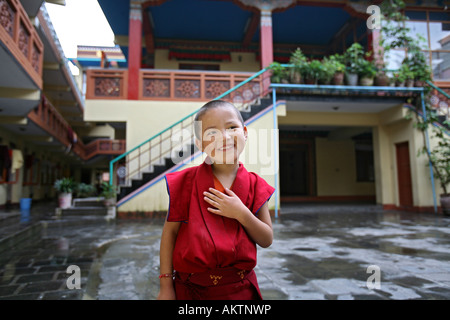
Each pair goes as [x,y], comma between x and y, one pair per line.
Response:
[87,207]
[183,152]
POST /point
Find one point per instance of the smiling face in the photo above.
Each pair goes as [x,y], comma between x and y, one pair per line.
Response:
[223,134]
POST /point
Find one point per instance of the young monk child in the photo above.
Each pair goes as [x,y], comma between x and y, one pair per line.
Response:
[218,212]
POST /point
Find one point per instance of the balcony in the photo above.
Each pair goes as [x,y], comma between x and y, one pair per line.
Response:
[48,119]
[21,49]
[171,85]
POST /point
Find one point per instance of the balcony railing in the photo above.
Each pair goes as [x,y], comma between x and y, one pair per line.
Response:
[49,119]
[19,36]
[171,85]
[104,147]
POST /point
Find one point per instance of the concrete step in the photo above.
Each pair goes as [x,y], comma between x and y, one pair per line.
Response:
[88,202]
[84,211]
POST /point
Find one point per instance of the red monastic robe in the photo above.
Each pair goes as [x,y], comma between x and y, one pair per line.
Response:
[213,255]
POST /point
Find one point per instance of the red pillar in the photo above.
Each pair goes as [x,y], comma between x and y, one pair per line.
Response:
[266,45]
[134,51]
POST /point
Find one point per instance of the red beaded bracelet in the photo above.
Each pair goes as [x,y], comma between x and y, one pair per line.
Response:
[166,275]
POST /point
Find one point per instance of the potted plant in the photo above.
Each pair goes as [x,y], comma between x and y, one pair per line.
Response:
[353,56]
[327,71]
[417,65]
[367,73]
[109,193]
[312,71]
[279,73]
[336,63]
[298,62]
[407,74]
[65,187]
[399,79]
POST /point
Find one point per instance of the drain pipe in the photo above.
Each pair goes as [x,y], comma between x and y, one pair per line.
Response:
[427,142]
[274,112]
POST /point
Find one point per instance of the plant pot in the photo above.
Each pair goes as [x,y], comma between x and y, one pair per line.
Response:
[352,79]
[310,81]
[419,83]
[366,81]
[382,80]
[399,84]
[295,77]
[338,79]
[65,200]
[109,202]
[445,204]
[409,83]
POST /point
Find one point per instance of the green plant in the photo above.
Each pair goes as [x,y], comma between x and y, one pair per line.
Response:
[329,67]
[279,73]
[399,77]
[337,62]
[84,190]
[417,64]
[367,69]
[396,35]
[354,57]
[312,70]
[405,70]
[108,191]
[65,185]
[298,62]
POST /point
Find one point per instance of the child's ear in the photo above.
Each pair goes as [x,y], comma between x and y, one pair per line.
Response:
[198,144]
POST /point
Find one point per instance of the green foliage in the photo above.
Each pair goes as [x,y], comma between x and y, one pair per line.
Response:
[65,185]
[108,191]
[279,73]
[354,58]
[84,190]
[367,69]
[312,70]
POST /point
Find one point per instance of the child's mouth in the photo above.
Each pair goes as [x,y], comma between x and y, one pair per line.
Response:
[227,147]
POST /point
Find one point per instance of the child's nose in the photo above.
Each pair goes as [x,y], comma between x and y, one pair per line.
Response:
[226,135]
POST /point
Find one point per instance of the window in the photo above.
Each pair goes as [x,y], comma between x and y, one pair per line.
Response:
[434,27]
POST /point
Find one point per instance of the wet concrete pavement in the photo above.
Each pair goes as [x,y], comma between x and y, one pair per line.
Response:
[319,252]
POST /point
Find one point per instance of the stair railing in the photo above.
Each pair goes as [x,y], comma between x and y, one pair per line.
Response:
[172,142]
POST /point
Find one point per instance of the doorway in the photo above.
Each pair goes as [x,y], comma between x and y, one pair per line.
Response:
[404,175]
[296,168]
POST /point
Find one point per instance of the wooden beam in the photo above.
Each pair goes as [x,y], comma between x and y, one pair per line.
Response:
[251,28]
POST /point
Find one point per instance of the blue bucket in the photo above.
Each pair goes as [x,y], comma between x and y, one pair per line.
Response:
[25,204]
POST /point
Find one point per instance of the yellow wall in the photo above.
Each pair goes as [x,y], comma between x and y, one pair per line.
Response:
[336,169]
[248,62]
[143,118]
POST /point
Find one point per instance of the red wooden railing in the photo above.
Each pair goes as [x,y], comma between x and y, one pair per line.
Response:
[19,36]
[49,119]
[171,85]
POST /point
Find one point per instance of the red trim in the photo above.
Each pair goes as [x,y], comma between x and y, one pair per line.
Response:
[364,198]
